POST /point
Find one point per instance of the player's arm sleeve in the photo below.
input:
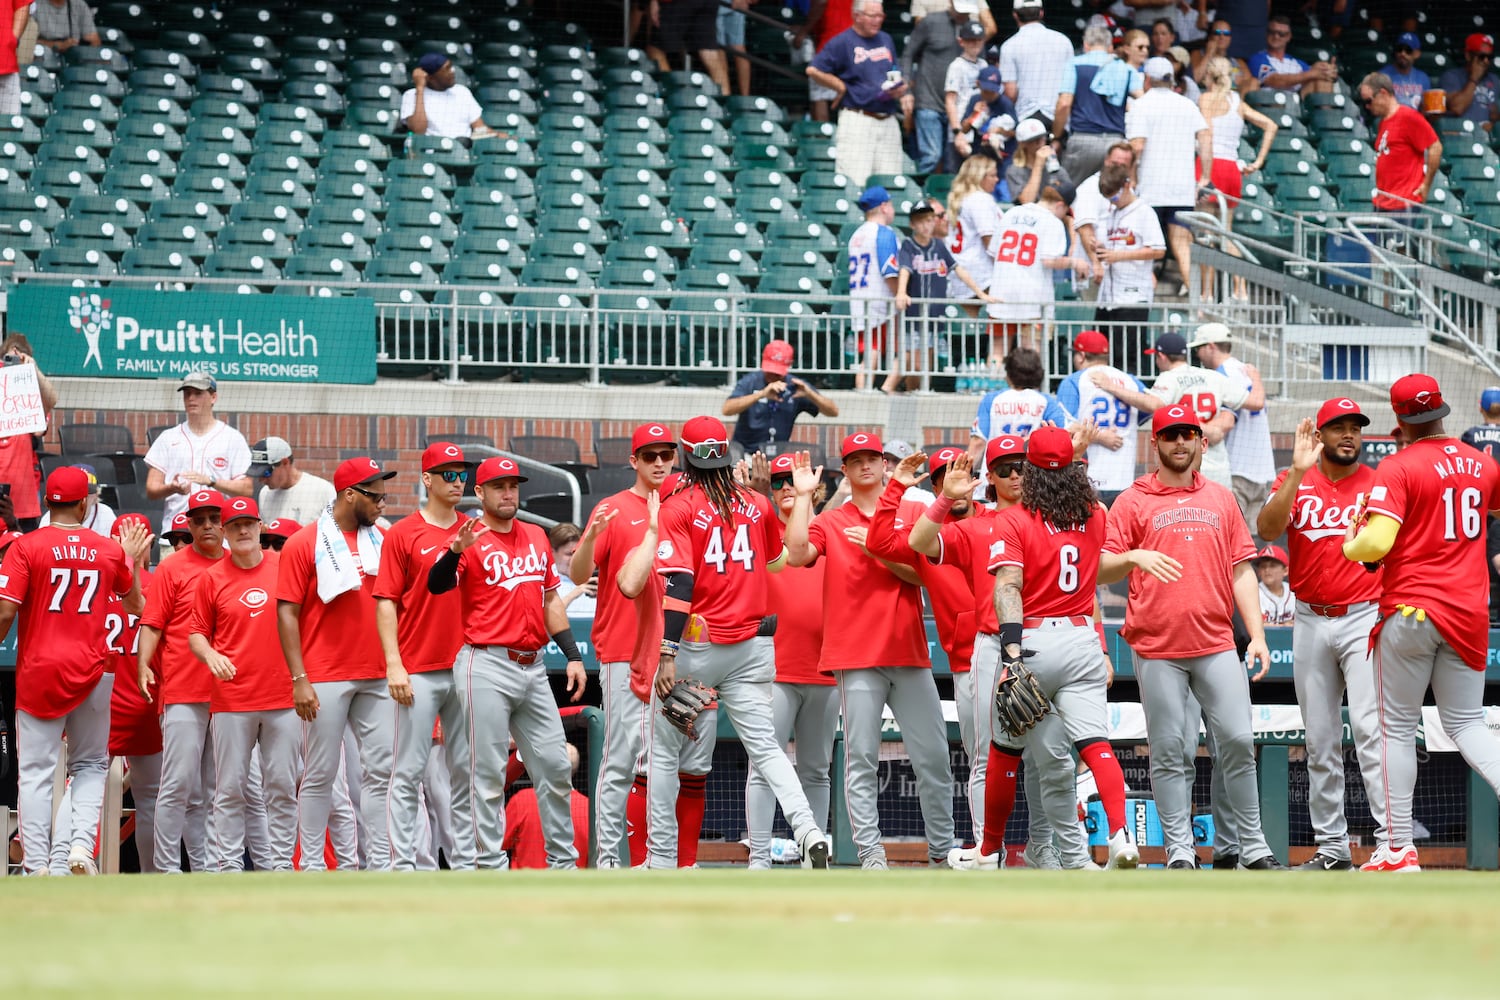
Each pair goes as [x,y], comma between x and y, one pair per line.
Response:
[202,619]
[1069,79]
[888,252]
[775,540]
[1055,413]
[677,604]
[15,576]
[388,582]
[443,576]
[885,538]
[1260,65]
[1374,540]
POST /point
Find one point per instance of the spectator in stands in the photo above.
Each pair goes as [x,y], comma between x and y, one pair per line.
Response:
[1089,205]
[961,83]
[1031,63]
[1252,462]
[731,35]
[579,600]
[201,451]
[1276,70]
[285,490]
[1128,241]
[1217,46]
[1473,89]
[1410,83]
[874,267]
[926,263]
[1163,36]
[62,24]
[18,462]
[1166,130]
[859,65]
[973,216]
[438,104]
[1036,166]
[1277,602]
[692,26]
[523,840]
[1088,121]
[1247,24]
[930,49]
[767,402]
[1226,115]
[99,517]
[828,19]
[12,27]
[989,112]
[1407,150]
[1182,65]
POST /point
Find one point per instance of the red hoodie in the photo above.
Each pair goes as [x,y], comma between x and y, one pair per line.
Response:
[1201,527]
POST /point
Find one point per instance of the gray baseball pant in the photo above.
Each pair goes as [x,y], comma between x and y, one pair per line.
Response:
[344,830]
[811,713]
[1412,655]
[1222,688]
[913,698]
[277,735]
[624,741]
[437,801]
[365,705]
[501,699]
[38,744]
[145,781]
[1226,837]
[670,754]
[257,830]
[433,697]
[187,782]
[1330,656]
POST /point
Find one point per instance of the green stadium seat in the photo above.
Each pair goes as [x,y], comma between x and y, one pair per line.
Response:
[95,79]
[575,179]
[178,61]
[76,260]
[379,46]
[131,158]
[378,70]
[411,244]
[635,180]
[158,135]
[755,152]
[350,190]
[421,171]
[633,203]
[443,153]
[230,86]
[94,233]
[498,250]
[159,262]
[501,98]
[353,168]
[763,208]
[501,186]
[11,180]
[574,252]
[336,241]
[279,115]
[619,55]
[190,43]
[697,181]
[265,74]
[577,100]
[36,80]
[213,112]
[735,231]
[207,187]
[424,219]
[186,212]
[645,254]
[492,154]
[76,128]
[280,189]
[95,106]
[798,261]
[243,264]
[693,204]
[815,156]
[419,194]
[322,264]
[1466,149]
[35,110]
[274,214]
[62,182]
[315,95]
[18,161]
[635,154]
[372,118]
[248,42]
[119,211]
[513,51]
[831,208]
[1456,128]
[21,230]
[255,238]
[316,69]
[375,94]
[637,127]
[41,210]
[213,160]
[724,256]
[333,219]
[803,234]
[377,23]
[144,107]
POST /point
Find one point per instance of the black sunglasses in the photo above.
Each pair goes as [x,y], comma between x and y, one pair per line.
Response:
[1178,434]
[656,456]
[780,482]
[1405,48]
[1004,470]
[377,497]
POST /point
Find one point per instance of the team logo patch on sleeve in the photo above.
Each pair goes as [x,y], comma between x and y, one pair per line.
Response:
[997,548]
[1378,493]
[664,550]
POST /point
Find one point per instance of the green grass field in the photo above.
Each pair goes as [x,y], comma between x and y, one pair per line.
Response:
[904,934]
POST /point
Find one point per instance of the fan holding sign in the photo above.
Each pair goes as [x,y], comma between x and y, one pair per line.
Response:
[26,400]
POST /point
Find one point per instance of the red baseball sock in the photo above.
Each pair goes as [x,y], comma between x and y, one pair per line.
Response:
[636,813]
[690,801]
[999,796]
[1109,779]
[513,769]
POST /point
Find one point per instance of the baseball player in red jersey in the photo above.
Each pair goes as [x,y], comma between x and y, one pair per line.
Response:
[804,701]
[178,535]
[187,759]
[875,646]
[1313,503]
[233,633]
[1045,559]
[963,540]
[507,586]
[275,532]
[615,529]
[1187,551]
[421,632]
[55,579]
[719,541]
[1425,522]
[325,617]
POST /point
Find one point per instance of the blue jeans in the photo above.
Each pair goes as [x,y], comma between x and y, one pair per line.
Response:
[932,133]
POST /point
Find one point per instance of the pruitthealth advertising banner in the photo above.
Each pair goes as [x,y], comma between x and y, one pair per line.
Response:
[145,333]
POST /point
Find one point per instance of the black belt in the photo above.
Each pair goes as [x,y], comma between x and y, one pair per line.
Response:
[869,114]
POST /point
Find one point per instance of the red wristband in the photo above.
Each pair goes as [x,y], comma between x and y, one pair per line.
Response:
[937,511]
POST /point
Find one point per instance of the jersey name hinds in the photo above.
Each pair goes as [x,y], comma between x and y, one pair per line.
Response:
[1316,520]
[73,551]
[509,572]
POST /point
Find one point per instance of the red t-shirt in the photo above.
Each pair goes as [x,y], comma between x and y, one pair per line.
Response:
[17,460]
[1401,144]
[169,608]
[429,627]
[1321,511]
[523,829]
[728,561]
[837,16]
[234,610]
[795,597]
[61,578]
[966,545]
[1440,491]
[949,587]
[1059,569]
[871,617]
[339,642]
[615,616]
[1202,528]
[503,579]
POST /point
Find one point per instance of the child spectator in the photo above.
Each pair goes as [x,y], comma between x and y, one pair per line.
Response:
[925,264]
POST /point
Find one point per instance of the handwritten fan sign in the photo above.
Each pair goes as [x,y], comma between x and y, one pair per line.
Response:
[21,410]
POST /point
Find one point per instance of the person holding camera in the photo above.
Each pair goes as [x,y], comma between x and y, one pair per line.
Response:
[1036,166]
[20,481]
[768,401]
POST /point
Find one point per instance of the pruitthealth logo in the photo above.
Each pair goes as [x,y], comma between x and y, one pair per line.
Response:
[90,316]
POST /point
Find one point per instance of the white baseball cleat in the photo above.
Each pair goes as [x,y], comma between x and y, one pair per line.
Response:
[80,862]
[1122,852]
[1389,859]
[815,847]
[968,859]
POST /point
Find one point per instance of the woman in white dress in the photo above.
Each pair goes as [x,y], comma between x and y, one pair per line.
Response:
[1226,115]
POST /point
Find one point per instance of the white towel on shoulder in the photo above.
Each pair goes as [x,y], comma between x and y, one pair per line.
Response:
[335,564]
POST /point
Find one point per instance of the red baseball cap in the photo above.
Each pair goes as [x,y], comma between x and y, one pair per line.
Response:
[861,441]
[942,458]
[357,472]
[649,434]
[777,357]
[441,453]
[281,527]
[782,464]
[179,526]
[205,498]
[1479,42]
[240,508]
[705,443]
[126,520]
[1091,342]
[1273,552]
[1175,415]
[1338,409]
[1050,448]
[497,467]
[1003,446]
[67,484]
[1417,399]
[8,536]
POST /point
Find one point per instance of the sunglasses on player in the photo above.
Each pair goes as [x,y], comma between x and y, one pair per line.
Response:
[379,498]
[707,450]
[448,476]
[656,456]
[780,482]
[1178,434]
[1004,470]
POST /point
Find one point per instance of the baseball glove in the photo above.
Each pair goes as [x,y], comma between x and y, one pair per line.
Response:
[684,702]
[1020,702]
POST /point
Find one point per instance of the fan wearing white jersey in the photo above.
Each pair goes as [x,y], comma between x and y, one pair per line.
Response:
[1111,453]
[1128,243]
[1252,463]
[874,265]
[1019,409]
[1210,395]
[971,203]
[1029,244]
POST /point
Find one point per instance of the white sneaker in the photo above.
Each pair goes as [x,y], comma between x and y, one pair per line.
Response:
[877,864]
[1122,851]
[815,847]
[1042,856]
[80,862]
[968,859]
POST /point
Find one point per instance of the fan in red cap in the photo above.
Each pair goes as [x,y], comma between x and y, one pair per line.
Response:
[178,534]
[1085,393]
[767,402]
[1426,523]
[1473,88]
